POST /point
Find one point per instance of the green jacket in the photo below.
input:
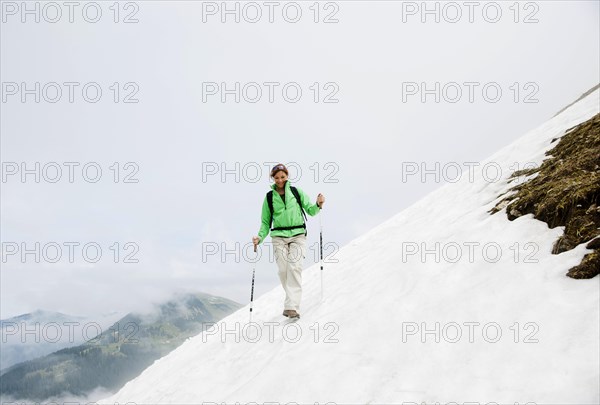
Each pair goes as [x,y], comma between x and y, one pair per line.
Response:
[285,214]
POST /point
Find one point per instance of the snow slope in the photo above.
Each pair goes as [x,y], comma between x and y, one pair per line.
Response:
[510,326]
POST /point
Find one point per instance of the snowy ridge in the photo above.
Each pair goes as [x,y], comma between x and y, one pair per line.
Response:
[459,324]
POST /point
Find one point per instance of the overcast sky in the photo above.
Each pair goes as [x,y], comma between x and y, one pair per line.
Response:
[353,95]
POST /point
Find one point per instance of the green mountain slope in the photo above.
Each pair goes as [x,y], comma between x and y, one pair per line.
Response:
[118,354]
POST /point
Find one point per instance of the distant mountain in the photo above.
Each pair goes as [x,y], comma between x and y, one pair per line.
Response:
[117,355]
[28,336]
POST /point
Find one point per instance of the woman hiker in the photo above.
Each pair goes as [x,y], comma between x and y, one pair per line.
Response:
[284,206]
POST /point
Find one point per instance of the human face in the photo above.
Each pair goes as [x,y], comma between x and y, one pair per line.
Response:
[280,179]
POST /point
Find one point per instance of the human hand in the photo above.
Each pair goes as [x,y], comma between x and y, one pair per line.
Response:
[320,200]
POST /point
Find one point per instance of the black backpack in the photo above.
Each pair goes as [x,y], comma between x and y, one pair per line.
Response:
[285,228]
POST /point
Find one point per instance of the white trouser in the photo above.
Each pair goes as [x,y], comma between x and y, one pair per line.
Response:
[289,255]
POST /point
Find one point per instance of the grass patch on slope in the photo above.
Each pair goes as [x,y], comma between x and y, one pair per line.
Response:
[565,191]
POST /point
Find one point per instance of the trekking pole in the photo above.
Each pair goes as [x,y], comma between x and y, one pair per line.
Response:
[321,249]
[252,290]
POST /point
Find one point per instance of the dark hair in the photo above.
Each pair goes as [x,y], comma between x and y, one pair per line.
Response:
[279,168]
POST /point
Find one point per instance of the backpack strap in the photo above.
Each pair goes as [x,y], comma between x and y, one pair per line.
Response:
[270,203]
[297,195]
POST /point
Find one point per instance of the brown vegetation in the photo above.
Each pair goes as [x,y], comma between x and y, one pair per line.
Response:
[566,192]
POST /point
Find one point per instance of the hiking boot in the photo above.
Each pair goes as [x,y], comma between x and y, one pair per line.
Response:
[293,314]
